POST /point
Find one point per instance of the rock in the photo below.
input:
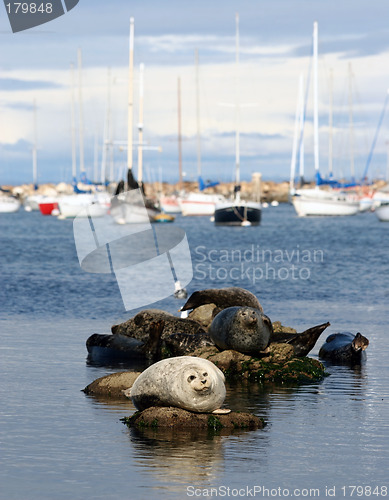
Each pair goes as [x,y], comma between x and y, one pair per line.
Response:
[157,417]
[279,353]
[203,315]
[279,328]
[112,385]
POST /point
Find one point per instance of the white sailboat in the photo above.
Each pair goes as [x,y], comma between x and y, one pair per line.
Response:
[319,201]
[238,212]
[199,203]
[382,212]
[132,207]
[8,204]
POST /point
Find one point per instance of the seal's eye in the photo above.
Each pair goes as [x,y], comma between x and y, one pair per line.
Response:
[205,374]
[191,378]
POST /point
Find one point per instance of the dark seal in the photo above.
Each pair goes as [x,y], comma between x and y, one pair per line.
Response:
[222,298]
[243,329]
[345,348]
[302,343]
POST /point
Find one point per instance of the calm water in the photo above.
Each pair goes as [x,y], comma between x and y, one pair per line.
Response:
[56,443]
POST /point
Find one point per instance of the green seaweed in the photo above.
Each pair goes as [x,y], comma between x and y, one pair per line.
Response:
[214,423]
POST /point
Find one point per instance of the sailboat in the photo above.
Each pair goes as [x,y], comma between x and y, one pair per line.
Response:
[318,201]
[8,203]
[237,212]
[128,207]
[86,195]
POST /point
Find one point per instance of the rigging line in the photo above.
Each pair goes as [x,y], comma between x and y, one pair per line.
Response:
[375,137]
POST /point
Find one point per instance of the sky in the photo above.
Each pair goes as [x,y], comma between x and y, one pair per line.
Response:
[275,48]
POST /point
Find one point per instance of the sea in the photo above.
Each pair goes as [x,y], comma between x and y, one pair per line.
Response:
[321,440]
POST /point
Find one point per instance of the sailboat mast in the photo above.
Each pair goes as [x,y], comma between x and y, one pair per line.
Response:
[140,125]
[351,124]
[198,114]
[315,97]
[130,97]
[179,133]
[297,133]
[80,112]
[103,174]
[73,123]
[330,125]
[237,112]
[34,149]
[302,122]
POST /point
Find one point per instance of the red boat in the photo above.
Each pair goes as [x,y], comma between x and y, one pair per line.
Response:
[47,207]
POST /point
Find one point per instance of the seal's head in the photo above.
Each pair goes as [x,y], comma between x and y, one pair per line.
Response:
[199,380]
[360,342]
[199,385]
[249,316]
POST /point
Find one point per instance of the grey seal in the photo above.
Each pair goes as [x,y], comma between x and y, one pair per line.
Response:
[243,329]
[222,298]
[345,348]
[186,382]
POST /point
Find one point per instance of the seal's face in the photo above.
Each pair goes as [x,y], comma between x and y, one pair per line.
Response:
[360,342]
[199,380]
[249,317]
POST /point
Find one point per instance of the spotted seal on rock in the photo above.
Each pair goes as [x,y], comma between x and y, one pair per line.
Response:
[345,348]
[139,327]
[222,298]
[186,382]
[243,329]
[180,344]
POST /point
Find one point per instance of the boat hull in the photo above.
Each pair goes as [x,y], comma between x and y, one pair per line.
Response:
[324,203]
[46,208]
[170,205]
[199,204]
[9,205]
[238,214]
[71,210]
[382,212]
[131,209]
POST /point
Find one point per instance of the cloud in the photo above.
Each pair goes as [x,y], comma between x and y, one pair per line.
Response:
[15,84]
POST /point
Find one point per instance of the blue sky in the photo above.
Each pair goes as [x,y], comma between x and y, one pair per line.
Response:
[275,40]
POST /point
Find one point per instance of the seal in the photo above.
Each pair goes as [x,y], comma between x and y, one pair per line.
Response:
[186,382]
[222,298]
[181,344]
[140,326]
[102,347]
[302,343]
[243,329]
[345,348]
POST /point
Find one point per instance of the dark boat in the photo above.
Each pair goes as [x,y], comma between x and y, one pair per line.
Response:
[238,213]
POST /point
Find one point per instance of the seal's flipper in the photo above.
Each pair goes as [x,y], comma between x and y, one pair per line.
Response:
[221,411]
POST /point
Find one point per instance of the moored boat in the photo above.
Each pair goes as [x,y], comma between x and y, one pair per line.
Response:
[320,202]
[241,213]
[382,212]
[9,204]
[200,203]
